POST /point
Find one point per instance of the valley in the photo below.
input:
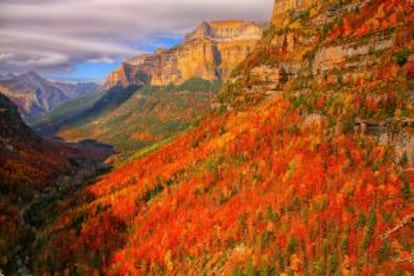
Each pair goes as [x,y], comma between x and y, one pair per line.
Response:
[33,169]
[150,115]
[284,148]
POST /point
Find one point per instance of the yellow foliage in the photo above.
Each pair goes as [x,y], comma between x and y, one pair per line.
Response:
[168,262]
[380,12]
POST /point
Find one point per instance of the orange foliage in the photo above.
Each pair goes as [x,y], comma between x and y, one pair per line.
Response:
[253,189]
[233,195]
[377,15]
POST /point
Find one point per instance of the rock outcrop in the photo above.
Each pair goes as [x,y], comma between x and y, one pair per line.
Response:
[307,43]
[282,6]
[210,52]
[362,73]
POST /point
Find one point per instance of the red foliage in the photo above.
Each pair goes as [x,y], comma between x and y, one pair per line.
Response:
[229,190]
[377,15]
[410,69]
[252,186]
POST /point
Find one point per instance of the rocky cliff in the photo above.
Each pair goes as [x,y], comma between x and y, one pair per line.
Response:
[210,52]
[282,7]
[354,60]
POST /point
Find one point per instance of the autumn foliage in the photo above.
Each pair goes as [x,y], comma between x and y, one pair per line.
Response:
[374,16]
[245,191]
[300,182]
[29,165]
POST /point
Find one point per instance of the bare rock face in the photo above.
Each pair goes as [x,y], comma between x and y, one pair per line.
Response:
[226,30]
[331,57]
[282,6]
[210,52]
[301,61]
[117,76]
[269,78]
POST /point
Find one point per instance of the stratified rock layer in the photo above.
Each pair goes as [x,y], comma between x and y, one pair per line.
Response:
[210,52]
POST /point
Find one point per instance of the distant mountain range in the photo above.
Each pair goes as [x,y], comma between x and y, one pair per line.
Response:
[36,96]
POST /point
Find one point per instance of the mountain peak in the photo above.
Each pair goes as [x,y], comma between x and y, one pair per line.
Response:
[32,77]
[228,23]
[209,52]
[32,74]
[226,30]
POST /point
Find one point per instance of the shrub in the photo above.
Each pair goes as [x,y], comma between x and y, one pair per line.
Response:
[406,189]
[402,57]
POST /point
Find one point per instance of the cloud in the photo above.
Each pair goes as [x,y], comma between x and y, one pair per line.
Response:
[6,56]
[48,59]
[54,35]
[101,60]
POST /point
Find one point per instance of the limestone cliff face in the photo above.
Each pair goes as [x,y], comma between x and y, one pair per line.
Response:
[210,52]
[117,76]
[226,30]
[303,53]
[353,72]
[282,6]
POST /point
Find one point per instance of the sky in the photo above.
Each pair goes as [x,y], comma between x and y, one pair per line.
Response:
[84,40]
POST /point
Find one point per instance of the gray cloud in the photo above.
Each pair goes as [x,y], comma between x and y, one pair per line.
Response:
[53,35]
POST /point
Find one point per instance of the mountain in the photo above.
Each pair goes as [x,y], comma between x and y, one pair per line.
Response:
[74,91]
[306,167]
[36,96]
[149,116]
[83,110]
[210,52]
[30,167]
[21,147]
[281,8]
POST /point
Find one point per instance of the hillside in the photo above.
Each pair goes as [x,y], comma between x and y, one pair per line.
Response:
[309,172]
[83,110]
[151,115]
[66,111]
[36,96]
[30,166]
[210,52]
